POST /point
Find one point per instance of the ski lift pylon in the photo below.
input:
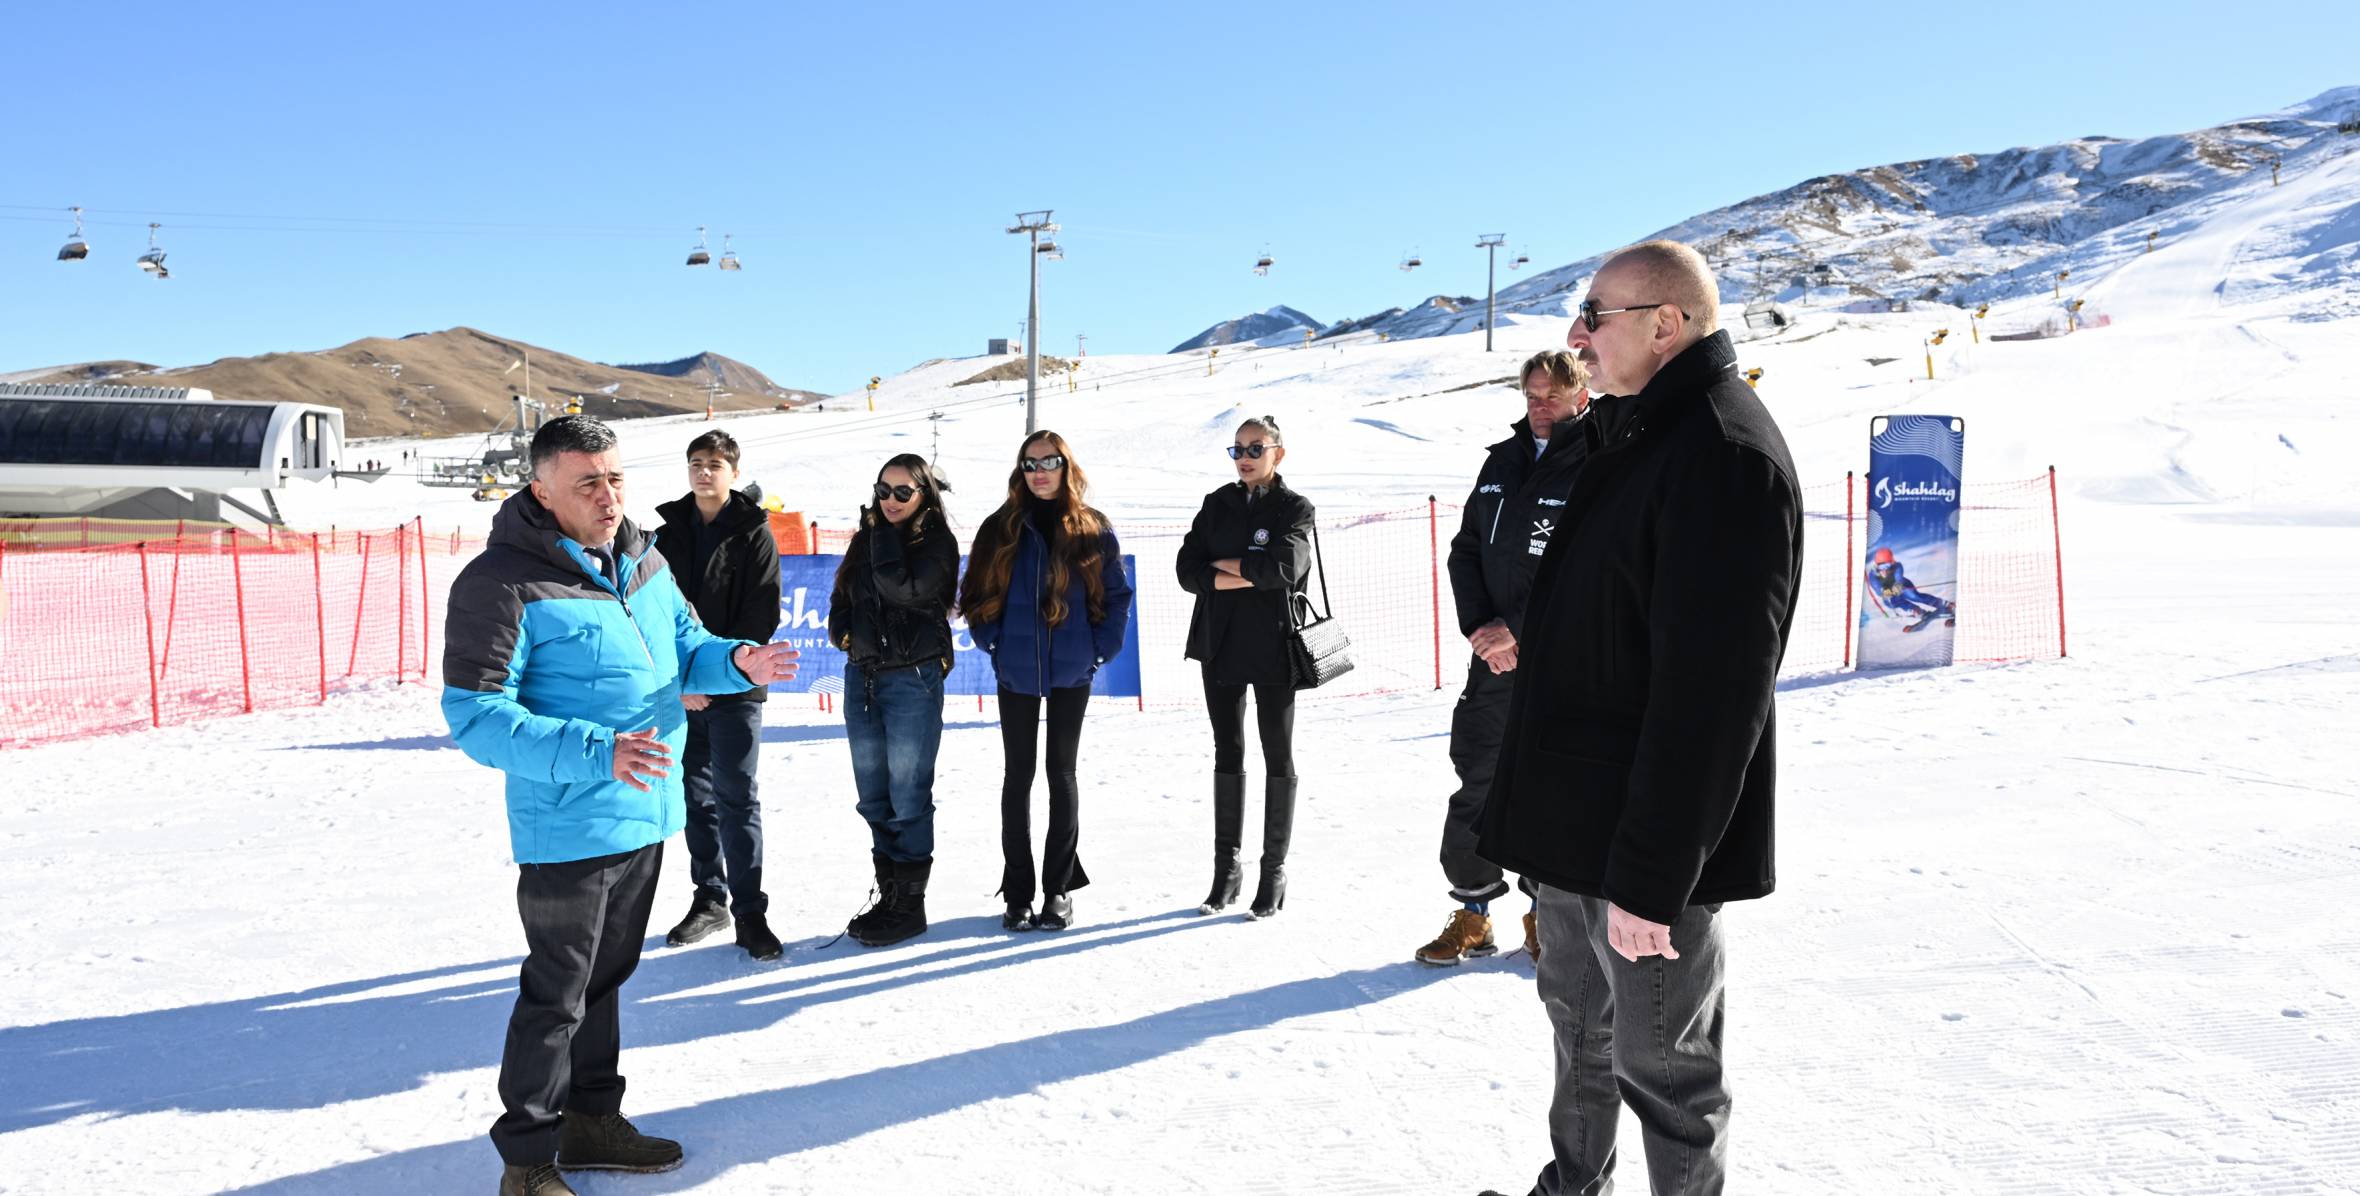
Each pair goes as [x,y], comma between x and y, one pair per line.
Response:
[698,256]
[75,248]
[729,258]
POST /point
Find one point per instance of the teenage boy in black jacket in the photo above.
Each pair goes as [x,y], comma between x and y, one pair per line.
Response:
[718,543]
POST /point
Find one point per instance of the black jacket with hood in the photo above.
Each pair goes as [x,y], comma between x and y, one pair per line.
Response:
[736,595]
[892,602]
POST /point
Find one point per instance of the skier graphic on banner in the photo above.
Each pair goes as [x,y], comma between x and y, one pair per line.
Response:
[1897,597]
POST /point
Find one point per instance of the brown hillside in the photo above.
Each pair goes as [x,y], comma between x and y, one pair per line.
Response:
[449,382]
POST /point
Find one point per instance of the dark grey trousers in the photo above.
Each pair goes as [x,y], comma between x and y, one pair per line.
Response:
[1646,1034]
[584,923]
[1476,725]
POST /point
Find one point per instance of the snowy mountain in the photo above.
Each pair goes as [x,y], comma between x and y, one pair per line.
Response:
[1278,321]
[733,375]
[1982,227]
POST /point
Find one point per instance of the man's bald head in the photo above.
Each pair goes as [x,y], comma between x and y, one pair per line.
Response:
[1670,272]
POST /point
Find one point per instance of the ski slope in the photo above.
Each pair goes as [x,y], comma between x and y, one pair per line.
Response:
[2077,926]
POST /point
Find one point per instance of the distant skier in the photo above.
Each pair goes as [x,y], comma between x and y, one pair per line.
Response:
[1897,597]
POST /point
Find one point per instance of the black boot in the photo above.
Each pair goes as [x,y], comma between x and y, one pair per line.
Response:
[862,923]
[902,912]
[705,915]
[1056,912]
[753,934]
[540,1179]
[609,1142]
[1278,829]
[1229,821]
[1018,917]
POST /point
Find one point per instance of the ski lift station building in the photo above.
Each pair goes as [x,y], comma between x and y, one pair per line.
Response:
[151,452]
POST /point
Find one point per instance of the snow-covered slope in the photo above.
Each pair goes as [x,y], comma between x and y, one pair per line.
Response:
[2074,926]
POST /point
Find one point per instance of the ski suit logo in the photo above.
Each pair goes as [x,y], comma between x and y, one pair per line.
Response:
[1538,543]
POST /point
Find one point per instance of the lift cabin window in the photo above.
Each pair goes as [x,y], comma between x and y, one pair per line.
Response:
[184,435]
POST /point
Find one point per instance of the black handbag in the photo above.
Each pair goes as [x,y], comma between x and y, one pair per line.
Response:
[1318,651]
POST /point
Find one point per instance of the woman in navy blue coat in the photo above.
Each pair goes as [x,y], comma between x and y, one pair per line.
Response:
[1046,598]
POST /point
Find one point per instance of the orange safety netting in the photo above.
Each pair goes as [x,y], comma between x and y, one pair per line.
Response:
[198,621]
[155,624]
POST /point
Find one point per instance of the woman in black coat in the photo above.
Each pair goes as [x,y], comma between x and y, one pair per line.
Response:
[718,544]
[1245,559]
[890,613]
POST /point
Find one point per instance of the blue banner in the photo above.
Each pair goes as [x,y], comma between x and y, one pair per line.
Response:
[805,583]
[1909,577]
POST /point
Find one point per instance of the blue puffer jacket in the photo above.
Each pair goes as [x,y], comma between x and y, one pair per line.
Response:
[1028,655]
[544,661]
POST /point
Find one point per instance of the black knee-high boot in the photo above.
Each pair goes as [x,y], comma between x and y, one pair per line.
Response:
[1278,828]
[1229,824]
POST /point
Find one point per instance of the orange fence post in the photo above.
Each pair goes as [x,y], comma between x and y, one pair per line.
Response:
[425,604]
[360,607]
[401,604]
[148,617]
[1434,568]
[2057,545]
[1849,565]
[238,580]
[319,614]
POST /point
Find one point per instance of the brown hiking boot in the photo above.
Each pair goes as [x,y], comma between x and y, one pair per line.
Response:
[540,1179]
[1532,934]
[1467,937]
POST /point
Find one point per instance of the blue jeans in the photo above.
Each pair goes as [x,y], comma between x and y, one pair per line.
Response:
[893,719]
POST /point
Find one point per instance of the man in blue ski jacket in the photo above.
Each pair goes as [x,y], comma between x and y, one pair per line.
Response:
[566,651]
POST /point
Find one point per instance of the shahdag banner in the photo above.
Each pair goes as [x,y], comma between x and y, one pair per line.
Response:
[805,584]
[1909,579]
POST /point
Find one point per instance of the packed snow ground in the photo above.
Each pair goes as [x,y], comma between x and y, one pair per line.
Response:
[2074,926]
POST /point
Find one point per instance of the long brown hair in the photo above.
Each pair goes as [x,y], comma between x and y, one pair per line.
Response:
[983,595]
[931,518]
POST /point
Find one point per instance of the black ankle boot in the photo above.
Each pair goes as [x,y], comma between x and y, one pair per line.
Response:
[1229,818]
[1278,831]
[901,912]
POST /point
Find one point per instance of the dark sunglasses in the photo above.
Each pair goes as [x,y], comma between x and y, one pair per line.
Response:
[1049,464]
[1591,313]
[1254,450]
[897,493]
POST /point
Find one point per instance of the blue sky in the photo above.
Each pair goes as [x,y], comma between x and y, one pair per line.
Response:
[328,172]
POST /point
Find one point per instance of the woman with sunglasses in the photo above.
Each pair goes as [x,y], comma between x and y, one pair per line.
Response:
[890,613]
[1046,598]
[1245,558]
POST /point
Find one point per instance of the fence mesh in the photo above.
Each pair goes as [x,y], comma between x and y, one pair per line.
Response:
[112,625]
[196,621]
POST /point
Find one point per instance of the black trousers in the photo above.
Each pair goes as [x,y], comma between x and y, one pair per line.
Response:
[1274,719]
[584,922]
[1020,722]
[724,808]
[1476,726]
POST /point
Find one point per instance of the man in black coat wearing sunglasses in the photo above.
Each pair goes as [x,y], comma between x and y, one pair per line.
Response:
[1636,779]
